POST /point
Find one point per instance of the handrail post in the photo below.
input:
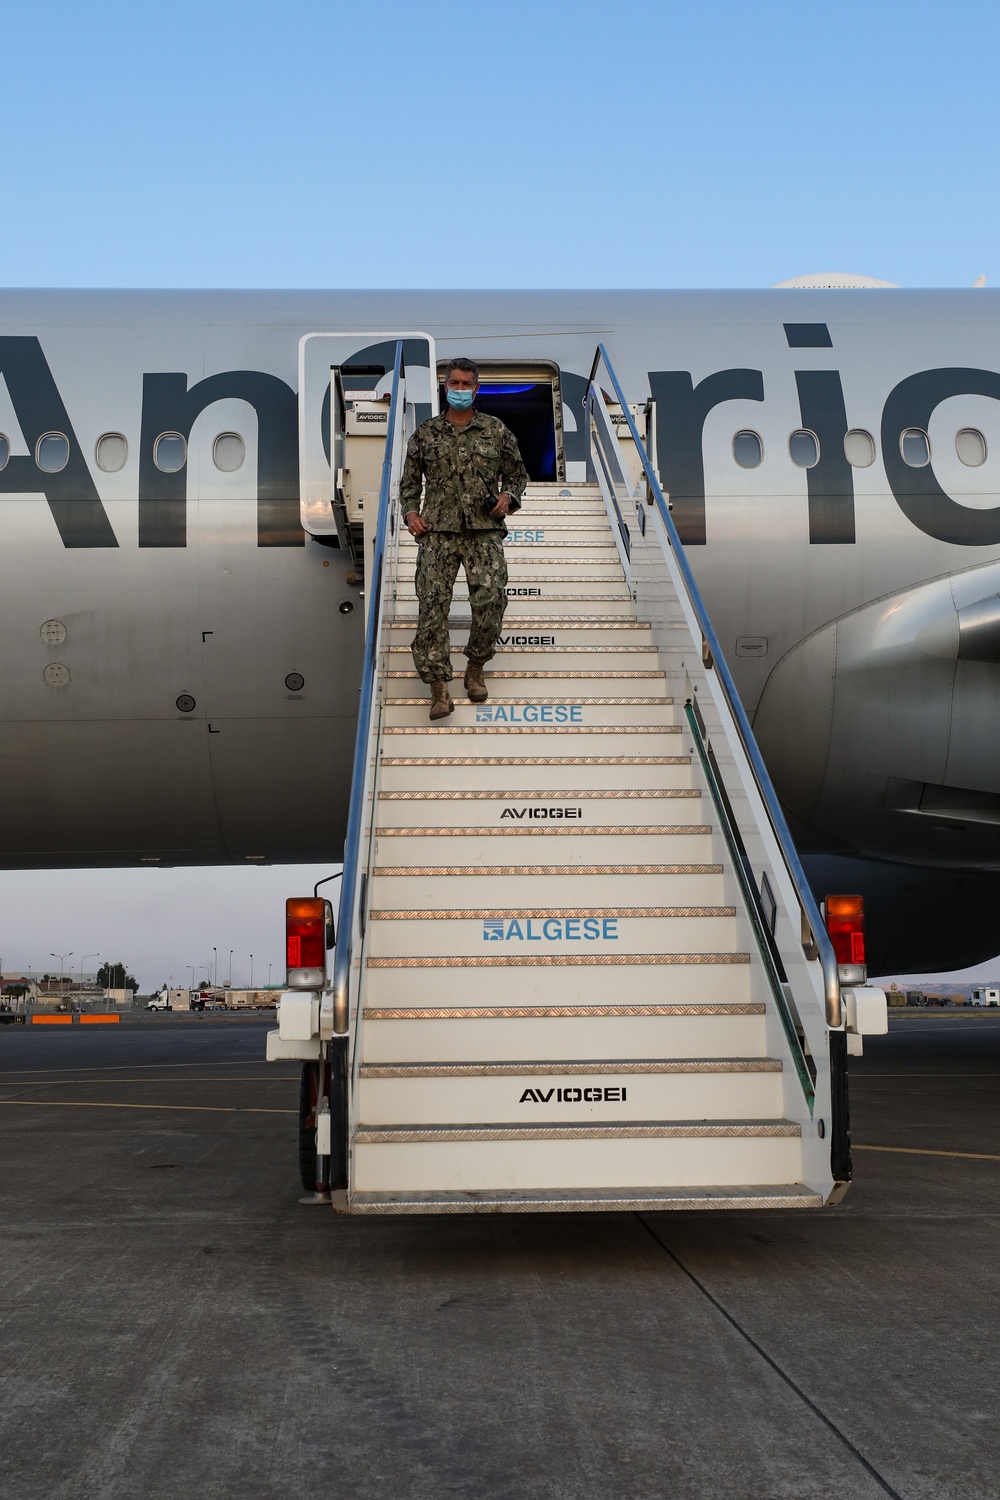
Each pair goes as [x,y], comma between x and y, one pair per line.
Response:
[349,886]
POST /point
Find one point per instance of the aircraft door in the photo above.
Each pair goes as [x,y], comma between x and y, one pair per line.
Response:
[344,388]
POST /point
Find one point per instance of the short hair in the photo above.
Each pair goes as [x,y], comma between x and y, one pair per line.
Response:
[461,363]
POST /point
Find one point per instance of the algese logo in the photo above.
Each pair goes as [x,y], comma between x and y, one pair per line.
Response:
[574,1096]
[526,536]
[530,713]
[553,930]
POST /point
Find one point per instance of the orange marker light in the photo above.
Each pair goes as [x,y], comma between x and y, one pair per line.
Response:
[845,922]
[305,941]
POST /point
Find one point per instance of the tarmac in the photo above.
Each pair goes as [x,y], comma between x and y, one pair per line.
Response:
[174,1324]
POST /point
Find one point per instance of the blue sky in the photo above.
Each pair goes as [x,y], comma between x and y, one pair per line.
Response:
[538,144]
[522,144]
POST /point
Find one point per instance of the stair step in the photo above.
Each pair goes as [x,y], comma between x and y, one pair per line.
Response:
[601,979]
[468,936]
[588,1200]
[557,1098]
[591,810]
[562,1033]
[509,740]
[513,708]
[550,601]
[545,845]
[545,586]
[660,1155]
[534,659]
[501,887]
[405,772]
[584,629]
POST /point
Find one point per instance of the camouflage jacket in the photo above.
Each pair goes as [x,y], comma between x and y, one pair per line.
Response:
[465,469]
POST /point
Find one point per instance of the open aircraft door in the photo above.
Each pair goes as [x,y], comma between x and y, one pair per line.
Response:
[344,381]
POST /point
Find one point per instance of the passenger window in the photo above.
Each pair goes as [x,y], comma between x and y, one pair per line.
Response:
[915,446]
[747,450]
[112,451]
[859,448]
[971,447]
[228,452]
[169,452]
[803,449]
[4,450]
[52,452]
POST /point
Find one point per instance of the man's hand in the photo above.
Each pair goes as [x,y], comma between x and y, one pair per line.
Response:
[502,506]
[415,524]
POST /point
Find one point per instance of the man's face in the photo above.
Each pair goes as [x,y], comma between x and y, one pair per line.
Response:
[462,380]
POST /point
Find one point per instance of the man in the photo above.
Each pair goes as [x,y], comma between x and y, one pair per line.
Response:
[474,477]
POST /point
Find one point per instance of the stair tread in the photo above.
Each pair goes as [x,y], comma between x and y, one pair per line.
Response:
[598,1067]
[462,914]
[578,1130]
[571,1012]
[589,1200]
[554,960]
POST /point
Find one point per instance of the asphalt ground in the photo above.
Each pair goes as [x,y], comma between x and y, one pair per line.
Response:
[174,1324]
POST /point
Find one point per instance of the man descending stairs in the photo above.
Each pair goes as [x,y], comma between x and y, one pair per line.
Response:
[558,1006]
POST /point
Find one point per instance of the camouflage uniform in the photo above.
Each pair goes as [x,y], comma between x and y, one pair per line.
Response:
[465,469]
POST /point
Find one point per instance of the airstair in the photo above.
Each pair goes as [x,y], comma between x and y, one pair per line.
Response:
[578,965]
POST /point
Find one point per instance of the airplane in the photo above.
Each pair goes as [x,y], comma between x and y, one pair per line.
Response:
[181,655]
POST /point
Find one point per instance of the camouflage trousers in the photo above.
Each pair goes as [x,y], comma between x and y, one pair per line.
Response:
[438,559]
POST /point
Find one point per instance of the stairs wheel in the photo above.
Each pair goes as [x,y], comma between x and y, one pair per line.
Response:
[307,1124]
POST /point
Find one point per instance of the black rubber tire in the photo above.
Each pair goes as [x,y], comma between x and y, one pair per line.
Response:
[307,1126]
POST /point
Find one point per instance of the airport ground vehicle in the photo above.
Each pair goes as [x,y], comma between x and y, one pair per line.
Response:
[158,1002]
[578,965]
[982,996]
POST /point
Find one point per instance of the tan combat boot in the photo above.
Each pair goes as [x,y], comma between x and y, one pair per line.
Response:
[441,704]
[475,685]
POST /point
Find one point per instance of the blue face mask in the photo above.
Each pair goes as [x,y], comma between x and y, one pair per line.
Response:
[460,400]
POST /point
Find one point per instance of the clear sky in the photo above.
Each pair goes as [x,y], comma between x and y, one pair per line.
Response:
[531,143]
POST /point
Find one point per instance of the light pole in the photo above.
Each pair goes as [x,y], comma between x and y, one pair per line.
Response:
[84,960]
[251,971]
[215,966]
[230,968]
[269,976]
[191,967]
[62,957]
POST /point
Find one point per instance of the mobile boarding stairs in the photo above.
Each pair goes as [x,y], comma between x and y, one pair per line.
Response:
[578,963]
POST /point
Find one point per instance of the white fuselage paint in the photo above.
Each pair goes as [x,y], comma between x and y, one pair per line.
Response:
[106,769]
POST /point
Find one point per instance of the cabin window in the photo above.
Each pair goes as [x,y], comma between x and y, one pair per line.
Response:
[112,451]
[4,450]
[859,448]
[803,449]
[170,452]
[915,446]
[971,447]
[52,452]
[228,452]
[748,450]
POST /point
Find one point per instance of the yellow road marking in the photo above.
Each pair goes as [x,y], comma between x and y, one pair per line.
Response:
[211,1109]
[47,1083]
[122,1067]
[920,1151]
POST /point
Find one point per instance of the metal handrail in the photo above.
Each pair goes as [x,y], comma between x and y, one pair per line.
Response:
[352,842]
[814,933]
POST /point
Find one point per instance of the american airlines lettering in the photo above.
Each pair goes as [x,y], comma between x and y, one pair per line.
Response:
[170,404]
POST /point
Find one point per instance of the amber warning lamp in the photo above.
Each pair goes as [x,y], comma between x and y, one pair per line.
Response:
[309,935]
[845,922]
